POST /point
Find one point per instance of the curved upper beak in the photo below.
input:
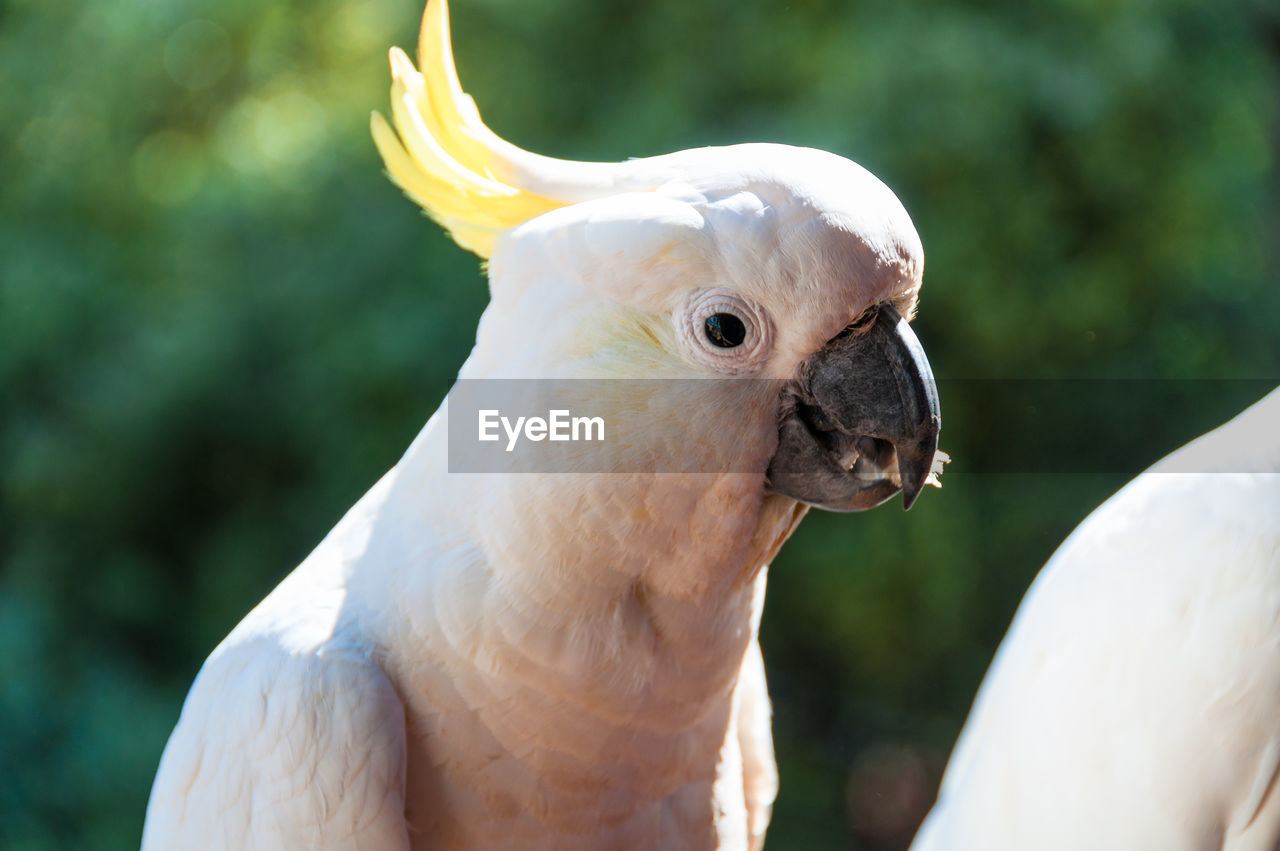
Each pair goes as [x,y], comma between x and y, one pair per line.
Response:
[861,421]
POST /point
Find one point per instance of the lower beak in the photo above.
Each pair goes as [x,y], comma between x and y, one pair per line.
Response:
[861,421]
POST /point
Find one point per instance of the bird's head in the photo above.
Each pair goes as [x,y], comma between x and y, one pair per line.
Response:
[791,271]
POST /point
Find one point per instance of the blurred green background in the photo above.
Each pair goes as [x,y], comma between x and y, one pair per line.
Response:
[219,324]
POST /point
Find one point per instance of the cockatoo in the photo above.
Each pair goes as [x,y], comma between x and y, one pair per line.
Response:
[1135,703]
[569,661]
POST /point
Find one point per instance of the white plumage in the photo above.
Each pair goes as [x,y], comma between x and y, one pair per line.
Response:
[565,661]
[1135,703]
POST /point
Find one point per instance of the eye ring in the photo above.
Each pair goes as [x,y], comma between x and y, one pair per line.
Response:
[724,330]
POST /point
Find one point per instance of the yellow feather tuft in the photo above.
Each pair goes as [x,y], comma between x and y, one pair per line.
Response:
[440,152]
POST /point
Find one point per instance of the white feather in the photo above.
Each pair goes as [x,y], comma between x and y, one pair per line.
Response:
[553,661]
[1135,702]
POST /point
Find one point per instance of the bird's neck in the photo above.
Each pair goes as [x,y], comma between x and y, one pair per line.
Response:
[584,627]
[580,574]
[584,658]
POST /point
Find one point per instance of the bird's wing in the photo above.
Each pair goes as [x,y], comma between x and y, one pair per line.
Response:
[755,738]
[1135,702]
[278,749]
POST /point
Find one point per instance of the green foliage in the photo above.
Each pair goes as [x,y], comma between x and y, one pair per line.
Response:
[219,324]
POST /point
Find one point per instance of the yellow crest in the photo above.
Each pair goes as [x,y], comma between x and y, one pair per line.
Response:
[444,158]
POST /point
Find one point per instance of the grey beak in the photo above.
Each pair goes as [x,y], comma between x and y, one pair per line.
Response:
[861,421]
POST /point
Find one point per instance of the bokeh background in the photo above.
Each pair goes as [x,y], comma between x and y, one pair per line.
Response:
[219,324]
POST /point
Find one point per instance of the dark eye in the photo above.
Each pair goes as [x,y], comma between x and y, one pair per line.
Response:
[725,330]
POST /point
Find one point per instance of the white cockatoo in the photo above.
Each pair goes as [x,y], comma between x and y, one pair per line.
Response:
[1135,703]
[569,660]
